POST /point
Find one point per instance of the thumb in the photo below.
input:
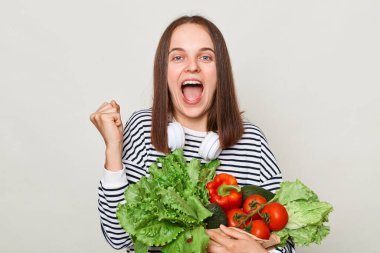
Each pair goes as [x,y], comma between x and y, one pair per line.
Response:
[115,105]
[117,120]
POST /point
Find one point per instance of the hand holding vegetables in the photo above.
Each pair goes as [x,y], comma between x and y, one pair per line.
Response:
[293,212]
[230,240]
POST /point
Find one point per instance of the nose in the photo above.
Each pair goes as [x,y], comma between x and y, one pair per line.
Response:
[192,66]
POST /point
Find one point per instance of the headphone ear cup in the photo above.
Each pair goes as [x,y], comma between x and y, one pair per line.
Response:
[210,147]
[176,136]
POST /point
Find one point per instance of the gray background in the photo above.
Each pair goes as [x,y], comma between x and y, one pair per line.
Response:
[307,73]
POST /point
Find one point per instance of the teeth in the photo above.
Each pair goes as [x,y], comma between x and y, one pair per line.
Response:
[191,82]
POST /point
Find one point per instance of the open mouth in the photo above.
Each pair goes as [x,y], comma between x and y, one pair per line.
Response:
[192,91]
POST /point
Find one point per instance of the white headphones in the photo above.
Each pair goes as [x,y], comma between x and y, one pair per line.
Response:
[210,146]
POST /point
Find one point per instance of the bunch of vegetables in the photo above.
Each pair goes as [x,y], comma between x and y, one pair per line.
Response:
[171,208]
[294,212]
[254,214]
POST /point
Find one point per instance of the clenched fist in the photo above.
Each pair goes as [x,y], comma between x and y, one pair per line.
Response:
[107,120]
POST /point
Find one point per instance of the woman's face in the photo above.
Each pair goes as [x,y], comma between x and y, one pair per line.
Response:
[191,75]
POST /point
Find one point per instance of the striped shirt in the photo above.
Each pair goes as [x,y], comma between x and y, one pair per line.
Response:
[250,161]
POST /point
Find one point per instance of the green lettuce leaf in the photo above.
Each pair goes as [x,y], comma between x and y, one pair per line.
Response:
[202,212]
[172,200]
[158,233]
[194,240]
[307,215]
[293,191]
[304,236]
[178,154]
[132,219]
[139,246]
[302,213]
[193,170]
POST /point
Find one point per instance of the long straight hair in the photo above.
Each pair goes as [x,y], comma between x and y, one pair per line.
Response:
[224,116]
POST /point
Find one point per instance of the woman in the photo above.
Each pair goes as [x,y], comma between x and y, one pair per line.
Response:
[194,98]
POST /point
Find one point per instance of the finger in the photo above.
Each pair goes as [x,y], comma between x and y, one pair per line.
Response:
[105,107]
[234,232]
[108,110]
[115,105]
[219,238]
[118,121]
[216,230]
[112,115]
[100,116]
[214,247]
[92,117]
[259,240]
[104,118]
[101,106]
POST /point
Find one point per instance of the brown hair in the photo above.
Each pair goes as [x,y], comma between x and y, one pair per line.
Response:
[224,116]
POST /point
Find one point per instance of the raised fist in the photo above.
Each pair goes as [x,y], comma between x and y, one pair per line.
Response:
[107,120]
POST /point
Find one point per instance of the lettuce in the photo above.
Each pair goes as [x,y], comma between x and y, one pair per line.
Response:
[194,240]
[168,207]
[307,215]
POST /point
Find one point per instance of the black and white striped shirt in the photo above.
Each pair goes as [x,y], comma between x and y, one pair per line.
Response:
[250,161]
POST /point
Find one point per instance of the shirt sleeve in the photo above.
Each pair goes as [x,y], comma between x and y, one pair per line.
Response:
[270,179]
[113,184]
[288,248]
[270,173]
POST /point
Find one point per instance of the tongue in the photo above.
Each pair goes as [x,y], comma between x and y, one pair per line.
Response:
[192,94]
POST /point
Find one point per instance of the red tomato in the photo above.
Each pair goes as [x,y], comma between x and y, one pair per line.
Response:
[252,203]
[260,229]
[277,216]
[235,217]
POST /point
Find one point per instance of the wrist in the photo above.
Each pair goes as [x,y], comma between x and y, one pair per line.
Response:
[114,146]
[113,158]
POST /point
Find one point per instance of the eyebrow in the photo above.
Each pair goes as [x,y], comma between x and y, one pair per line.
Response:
[183,50]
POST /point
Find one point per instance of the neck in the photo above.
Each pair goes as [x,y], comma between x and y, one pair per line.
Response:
[197,124]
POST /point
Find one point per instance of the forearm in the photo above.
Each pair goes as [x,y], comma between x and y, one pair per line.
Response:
[113,157]
[110,192]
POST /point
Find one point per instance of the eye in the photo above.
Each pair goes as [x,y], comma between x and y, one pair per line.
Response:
[177,58]
[206,58]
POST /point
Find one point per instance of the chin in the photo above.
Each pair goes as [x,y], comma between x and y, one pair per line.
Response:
[193,112]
